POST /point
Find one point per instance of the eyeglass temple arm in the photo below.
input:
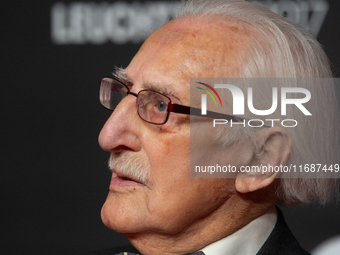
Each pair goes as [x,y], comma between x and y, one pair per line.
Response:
[197,112]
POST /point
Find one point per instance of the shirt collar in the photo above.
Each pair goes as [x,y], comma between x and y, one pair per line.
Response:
[247,240]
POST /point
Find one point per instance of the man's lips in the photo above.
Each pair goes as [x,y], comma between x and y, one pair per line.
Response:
[123,180]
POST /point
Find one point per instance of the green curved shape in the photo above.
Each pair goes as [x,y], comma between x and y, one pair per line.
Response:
[209,94]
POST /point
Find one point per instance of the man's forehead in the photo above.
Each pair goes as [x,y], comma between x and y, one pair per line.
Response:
[201,29]
[216,47]
[191,47]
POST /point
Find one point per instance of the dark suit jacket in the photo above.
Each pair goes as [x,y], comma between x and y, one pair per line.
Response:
[280,242]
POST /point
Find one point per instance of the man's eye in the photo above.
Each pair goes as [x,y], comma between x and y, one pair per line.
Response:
[161,106]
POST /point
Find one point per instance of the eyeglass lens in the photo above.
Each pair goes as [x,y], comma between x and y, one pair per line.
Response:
[111,93]
[151,105]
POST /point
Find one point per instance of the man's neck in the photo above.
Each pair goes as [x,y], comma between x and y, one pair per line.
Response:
[233,215]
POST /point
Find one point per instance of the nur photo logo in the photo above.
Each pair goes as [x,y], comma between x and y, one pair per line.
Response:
[204,97]
[278,99]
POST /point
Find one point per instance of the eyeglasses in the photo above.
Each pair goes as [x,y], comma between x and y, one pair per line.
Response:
[152,106]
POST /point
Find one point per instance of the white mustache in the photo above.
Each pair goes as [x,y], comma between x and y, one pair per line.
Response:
[129,165]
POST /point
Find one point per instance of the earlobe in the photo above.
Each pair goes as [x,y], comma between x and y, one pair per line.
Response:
[265,167]
[249,184]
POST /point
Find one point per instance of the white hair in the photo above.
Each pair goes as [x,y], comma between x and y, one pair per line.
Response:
[289,52]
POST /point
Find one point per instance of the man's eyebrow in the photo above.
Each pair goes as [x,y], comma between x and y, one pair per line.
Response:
[161,88]
[120,74]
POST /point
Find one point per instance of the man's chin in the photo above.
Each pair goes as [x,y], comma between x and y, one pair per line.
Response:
[119,216]
[110,217]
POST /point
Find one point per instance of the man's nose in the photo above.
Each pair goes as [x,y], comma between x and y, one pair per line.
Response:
[121,130]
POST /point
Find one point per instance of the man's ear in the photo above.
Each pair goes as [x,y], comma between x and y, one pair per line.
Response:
[275,144]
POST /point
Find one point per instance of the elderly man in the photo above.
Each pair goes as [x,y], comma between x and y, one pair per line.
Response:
[152,199]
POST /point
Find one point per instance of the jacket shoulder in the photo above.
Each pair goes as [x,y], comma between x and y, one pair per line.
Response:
[281,241]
